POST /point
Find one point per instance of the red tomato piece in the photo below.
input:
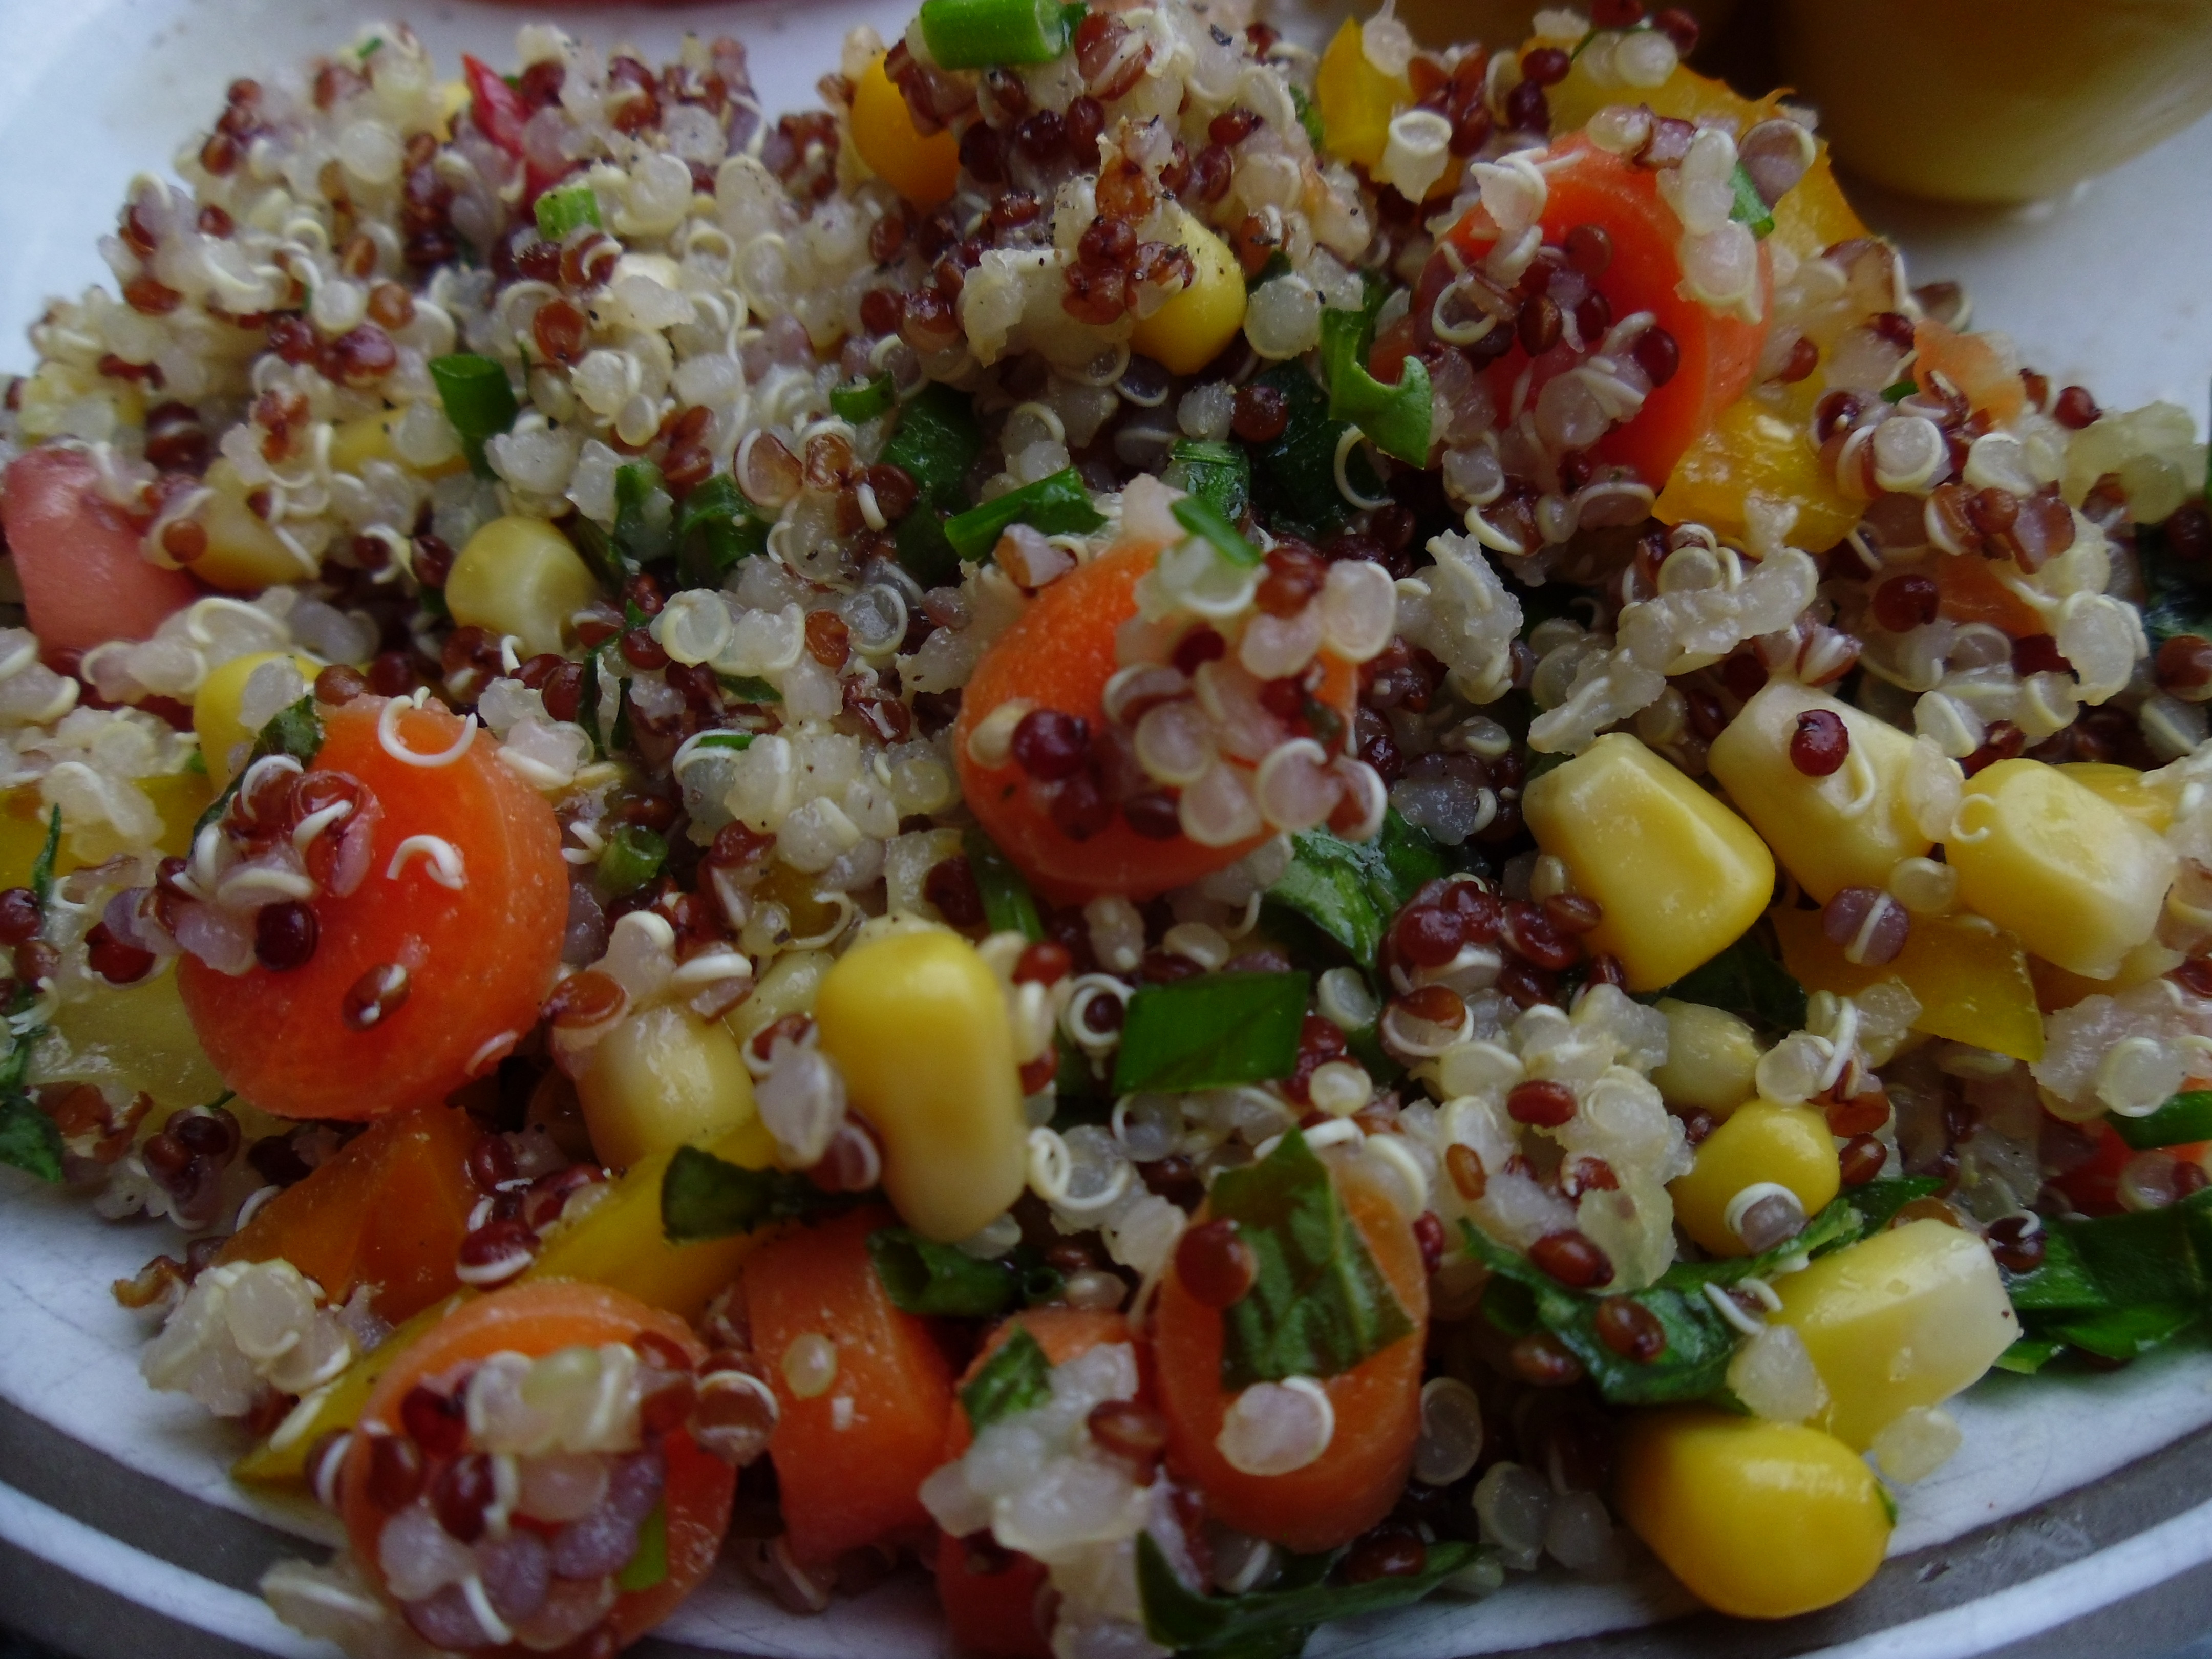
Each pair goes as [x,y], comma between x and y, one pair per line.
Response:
[478,961]
[84,579]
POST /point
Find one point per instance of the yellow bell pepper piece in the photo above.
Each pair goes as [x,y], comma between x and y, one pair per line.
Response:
[1189,331]
[1679,876]
[215,718]
[617,1242]
[2081,882]
[1751,448]
[179,797]
[2123,787]
[244,554]
[1846,829]
[1357,99]
[1813,215]
[1905,1318]
[918,1024]
[1760,1519]
[1760,1144]
[130,1038]
[1971,980]
[923,170]
[2056,989]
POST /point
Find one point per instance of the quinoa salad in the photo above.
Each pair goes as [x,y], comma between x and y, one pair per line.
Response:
[1206,834]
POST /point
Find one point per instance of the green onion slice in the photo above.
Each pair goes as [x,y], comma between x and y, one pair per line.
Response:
[864,400]
[979,33]
[1059,505]
[1202,518]
[561,210]
[478,401]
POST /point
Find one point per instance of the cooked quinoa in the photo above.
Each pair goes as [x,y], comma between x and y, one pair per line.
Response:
[1348,769]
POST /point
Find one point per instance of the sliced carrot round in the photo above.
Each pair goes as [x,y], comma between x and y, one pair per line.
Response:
[1377,1404]
[1718,354]
[85,580]
[478,960]
[537,1319]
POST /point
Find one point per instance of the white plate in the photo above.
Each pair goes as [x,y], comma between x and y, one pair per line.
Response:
[124,1489]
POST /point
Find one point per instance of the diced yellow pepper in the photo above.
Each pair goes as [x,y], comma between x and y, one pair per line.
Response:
[918,1024]
[244,554]
[2123,787]
[1751,448]
[665,1079]
[224,735]
[1679,876]
[617,1242]
[923,170]
[1905,1318]
[1812,215]
[180,797]
[1971,980]
[1760,1519]
[130,1038]
[1762,1144]
[1357,99]
[1711,1056]
[2081,882]
[1846,829]
[519,575]
[1189,331]
[2056,989]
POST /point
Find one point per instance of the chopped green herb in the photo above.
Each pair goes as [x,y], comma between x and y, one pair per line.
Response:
[936,441]
[564,208]
[943,1281]
[1746,979]
[1059,505]
[1318,1303]
[2132,1332]
[1274,1622]
[1294,473]
[477,400]
[1221,473]
[702,1196]
[1202,518]
[1008,905]
[2187,1117]
[632,858]
[737,740]
[195,763]
[1211,1031]
[716,527]
[649,1565]
[1352,890]
[1749,207]
[295,730]
[29,1140]
[2176,594]
[1309,116]
[1395,418]
[1898,391]
[1015,1379]
[981,33]
[645,516]
[863,401]
[750,687]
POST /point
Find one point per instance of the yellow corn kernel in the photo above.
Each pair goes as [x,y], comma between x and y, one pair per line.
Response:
[244,554]
[923,170]
[1846,829]
[1711,1057]
[2081,881]
[1760,1144]
[918,1025]
[787,987]
[2123,787]
[368,438]
[519,576]
[1905,1318]
[225,739]
[1971,980]
[1680,876]
[1189,331]
[1760,1519]
[661,1079]
[616,1241]
[1357,99]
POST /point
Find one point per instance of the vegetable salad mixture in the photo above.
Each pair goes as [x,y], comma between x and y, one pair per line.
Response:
[1214,834]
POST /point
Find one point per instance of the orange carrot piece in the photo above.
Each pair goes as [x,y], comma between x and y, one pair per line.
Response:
[851,1460]
[1354,1483]
[478,960]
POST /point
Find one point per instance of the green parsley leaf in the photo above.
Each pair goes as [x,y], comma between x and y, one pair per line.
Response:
[864,400]
[1274,1622]
[295,730]
[1746,979]
[1395,418]
[1353,890]
[1200,517]
[1309,116]
[1318,1304]
[702,1196]
[1749,207]
[1294,473]
[1058,505]
[645,516]
[943,1281]
[1221,473]
[1015,1379]
[716,528]
[1210,1030]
